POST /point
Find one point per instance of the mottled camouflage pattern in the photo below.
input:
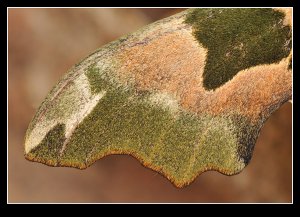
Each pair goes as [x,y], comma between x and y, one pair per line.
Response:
[144,95]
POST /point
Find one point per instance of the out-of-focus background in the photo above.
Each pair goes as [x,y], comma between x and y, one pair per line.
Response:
[43,44]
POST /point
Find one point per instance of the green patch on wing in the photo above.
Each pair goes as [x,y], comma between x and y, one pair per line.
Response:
[48,150]
[237,39]
[179,145]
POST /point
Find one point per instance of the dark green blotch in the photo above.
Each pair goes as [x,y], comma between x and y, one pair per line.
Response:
[237,39]
[49,148]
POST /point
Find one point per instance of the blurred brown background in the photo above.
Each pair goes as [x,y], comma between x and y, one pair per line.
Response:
[43,44]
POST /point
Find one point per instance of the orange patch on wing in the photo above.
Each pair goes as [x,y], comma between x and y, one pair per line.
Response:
[172,63]
[252,91]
